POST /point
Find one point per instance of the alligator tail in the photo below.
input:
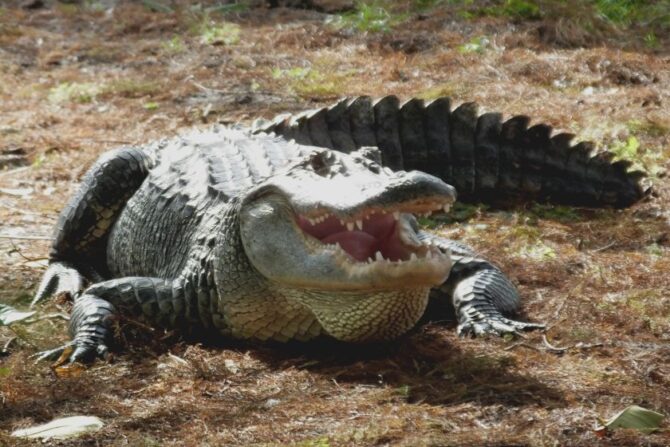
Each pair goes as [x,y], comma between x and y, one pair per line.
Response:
[485,158]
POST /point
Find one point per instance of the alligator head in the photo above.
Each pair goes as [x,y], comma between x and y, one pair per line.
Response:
[337,233]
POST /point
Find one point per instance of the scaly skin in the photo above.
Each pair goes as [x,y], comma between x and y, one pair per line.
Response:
[483,157]
[255,237]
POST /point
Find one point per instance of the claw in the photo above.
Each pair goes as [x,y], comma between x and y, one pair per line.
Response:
[52,354]
[59,278]
[73,352]
[495,325]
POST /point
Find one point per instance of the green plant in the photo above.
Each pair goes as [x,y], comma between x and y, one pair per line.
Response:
[517,9]
[475,45]
[370,17]
[649,160]
[558,213]
[83,92]
[318,442]
[312,82]
[425,5]
[627,150]
[156,6]
[522,9]
[174,46]
[223,33]
[651,41]
[620,12]
[538,251]
[228,8]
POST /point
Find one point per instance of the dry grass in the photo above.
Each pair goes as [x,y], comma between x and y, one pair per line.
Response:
[596,277]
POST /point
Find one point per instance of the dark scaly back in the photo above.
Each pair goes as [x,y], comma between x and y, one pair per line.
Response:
[485,158]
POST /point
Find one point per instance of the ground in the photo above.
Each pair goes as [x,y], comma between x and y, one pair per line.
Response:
[77,79]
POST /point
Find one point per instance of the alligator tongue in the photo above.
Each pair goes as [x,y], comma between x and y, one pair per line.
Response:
[360,245]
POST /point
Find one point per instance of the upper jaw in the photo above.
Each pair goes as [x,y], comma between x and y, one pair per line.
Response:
[378,242]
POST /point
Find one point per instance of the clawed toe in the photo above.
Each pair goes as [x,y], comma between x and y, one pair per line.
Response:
[73,352]
[499,326]
[52,354]
[60,278]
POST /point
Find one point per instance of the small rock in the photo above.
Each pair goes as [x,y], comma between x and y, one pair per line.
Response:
[270,403]
[231,366]
[588,91]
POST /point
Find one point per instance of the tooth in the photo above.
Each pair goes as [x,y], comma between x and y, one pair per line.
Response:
[359,224]
[337,246]
[412,256]
[370,260]
[312,222]
[396,215]
[350,226]
[446,208]
[342,222]
[378,256]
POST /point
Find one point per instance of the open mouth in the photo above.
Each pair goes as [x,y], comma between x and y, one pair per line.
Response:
[375,235]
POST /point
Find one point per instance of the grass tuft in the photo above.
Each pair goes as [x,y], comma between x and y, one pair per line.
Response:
[373,17]
[174,46]
[307,82]
[475,45]
[80,92]
[224,33]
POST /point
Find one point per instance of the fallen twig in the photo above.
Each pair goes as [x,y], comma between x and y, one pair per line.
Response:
[14,171]
[47,317]
[522,344]
[17,250]
[97,140]
[551,347]
[28,238]
[208,89]
[5,348]
[605,247]
[581,345]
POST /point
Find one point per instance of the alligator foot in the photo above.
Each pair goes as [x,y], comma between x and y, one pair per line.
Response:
[477,323]
[74,351]
[90,328]
[60,278]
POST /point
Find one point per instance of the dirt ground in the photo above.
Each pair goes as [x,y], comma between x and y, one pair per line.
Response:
[78,79]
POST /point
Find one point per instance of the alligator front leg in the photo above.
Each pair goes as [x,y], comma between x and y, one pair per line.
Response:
[481,294]
[164,302]
[80,237]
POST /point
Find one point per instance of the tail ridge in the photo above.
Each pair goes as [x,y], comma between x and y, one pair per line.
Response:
[486,158]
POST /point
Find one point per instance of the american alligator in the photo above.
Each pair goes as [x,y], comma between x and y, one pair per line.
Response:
[305,225]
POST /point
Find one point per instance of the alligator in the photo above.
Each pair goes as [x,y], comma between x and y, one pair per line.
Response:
[305,225]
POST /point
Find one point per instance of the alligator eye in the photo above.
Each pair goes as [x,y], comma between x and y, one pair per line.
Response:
[318,163]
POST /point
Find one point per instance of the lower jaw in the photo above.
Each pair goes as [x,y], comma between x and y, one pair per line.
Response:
[361,317]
